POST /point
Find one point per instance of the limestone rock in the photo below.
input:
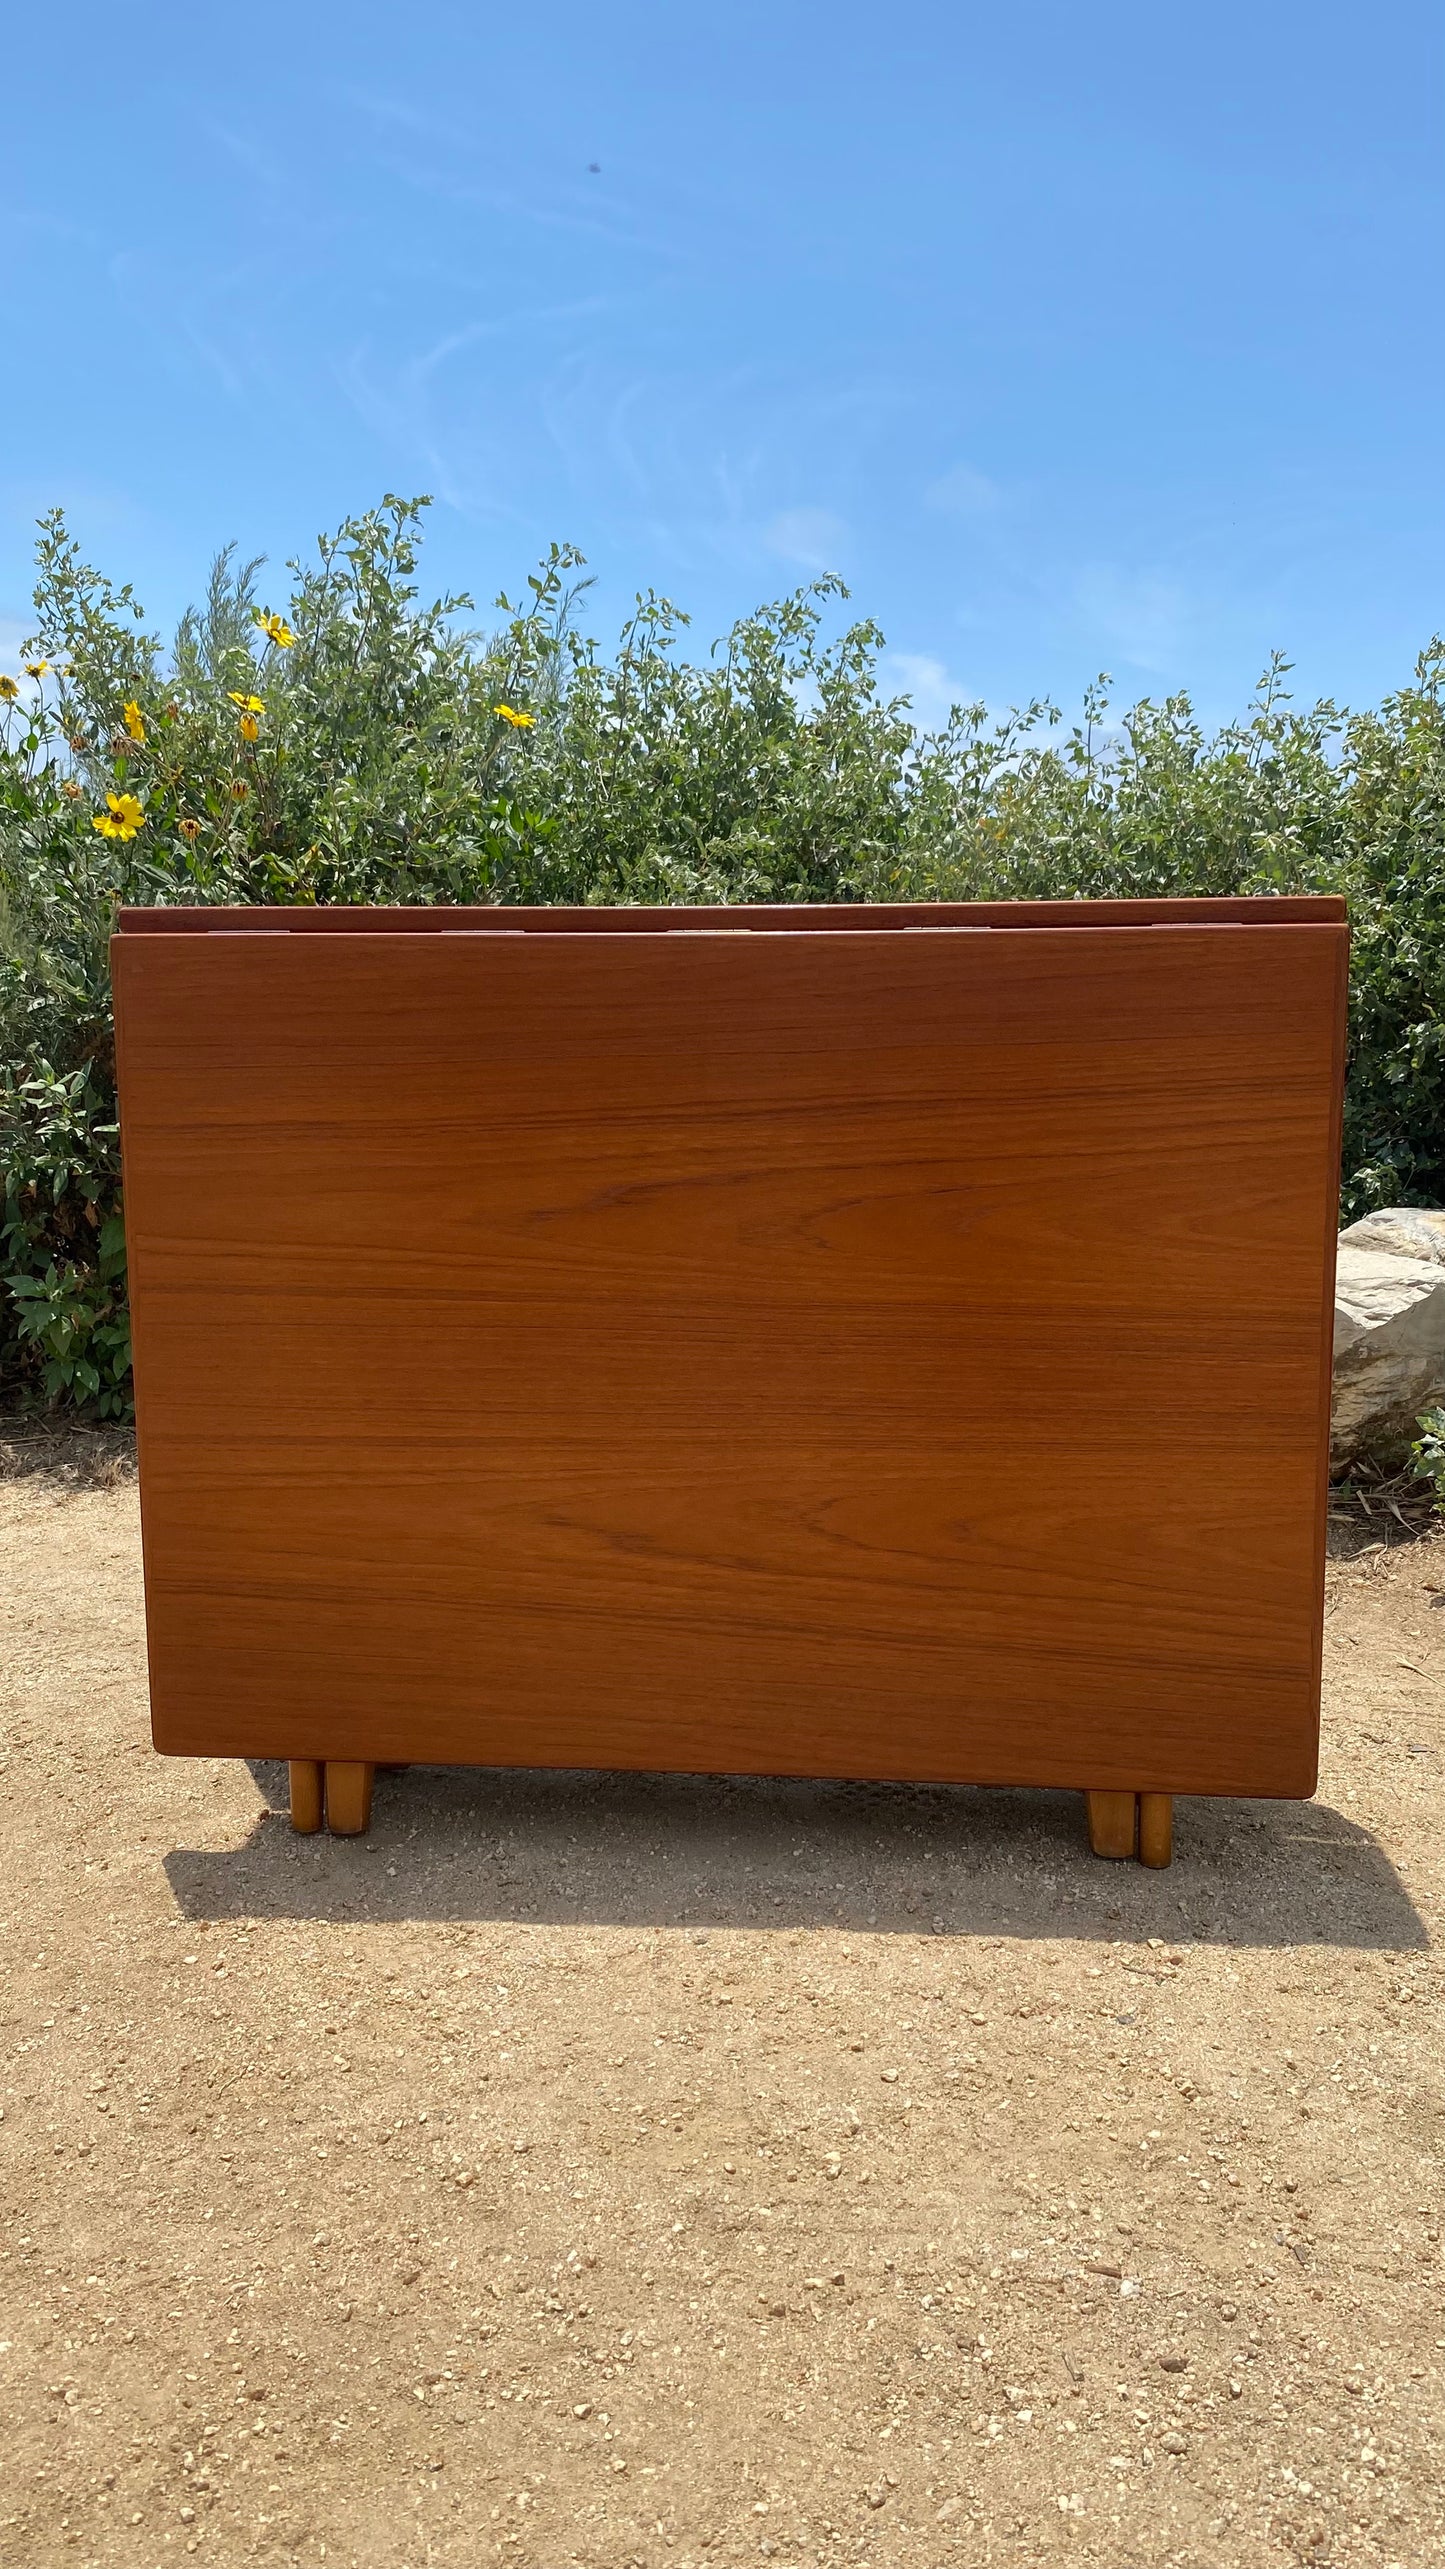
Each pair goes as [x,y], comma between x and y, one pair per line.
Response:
[1389,1361]
[1400,1231]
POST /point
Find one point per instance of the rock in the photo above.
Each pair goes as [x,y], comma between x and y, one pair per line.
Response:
[1389,1361]
[1400,1231]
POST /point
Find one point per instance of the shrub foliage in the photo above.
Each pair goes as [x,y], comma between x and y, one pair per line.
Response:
[355,743]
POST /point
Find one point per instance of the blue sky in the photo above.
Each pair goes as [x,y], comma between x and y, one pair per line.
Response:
[1073,338]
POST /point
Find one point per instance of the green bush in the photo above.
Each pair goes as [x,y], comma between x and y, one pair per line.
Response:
[358,744]
[1427,1455]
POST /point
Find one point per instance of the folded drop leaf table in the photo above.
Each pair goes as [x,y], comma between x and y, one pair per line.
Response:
[886,1342]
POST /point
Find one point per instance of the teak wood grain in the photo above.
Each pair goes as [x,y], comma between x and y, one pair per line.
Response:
[876,1349]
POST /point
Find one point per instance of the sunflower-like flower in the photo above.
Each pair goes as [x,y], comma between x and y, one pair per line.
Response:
[275,628]
[248,704]
[509,714]
[36,668]
[250,727]
[189,829]
[9,690]
[122,819]
[134,721]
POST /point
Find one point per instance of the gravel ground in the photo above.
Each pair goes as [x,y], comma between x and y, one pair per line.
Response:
[652,2170]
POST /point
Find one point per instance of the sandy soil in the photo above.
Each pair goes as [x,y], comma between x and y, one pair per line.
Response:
[655,2171]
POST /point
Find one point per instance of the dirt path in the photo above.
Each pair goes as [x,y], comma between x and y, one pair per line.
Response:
[616,2170]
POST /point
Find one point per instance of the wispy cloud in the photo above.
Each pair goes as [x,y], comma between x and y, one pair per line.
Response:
[255,163]
[963,491]
[812,537]
[929,685]
[1141,617]
[580,206]
[459,446]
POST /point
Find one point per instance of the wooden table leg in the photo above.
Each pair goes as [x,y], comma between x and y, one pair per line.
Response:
[1113,1822]
[348,1797]
[305,1796]
[1156,1828]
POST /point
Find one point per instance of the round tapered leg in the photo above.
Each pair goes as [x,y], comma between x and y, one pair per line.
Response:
[305,1796]
[1156,1828]
[348,1797]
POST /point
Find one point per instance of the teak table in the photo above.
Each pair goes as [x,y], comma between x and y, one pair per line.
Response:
[863,1342]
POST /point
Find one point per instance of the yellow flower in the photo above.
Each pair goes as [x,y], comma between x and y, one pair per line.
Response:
[239,789]
[134,721]
[9,690]
[248,704]
[36,668]
[274,627]
[250,728]
[123,818]
[71,788]
[509,714]
[189,829]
